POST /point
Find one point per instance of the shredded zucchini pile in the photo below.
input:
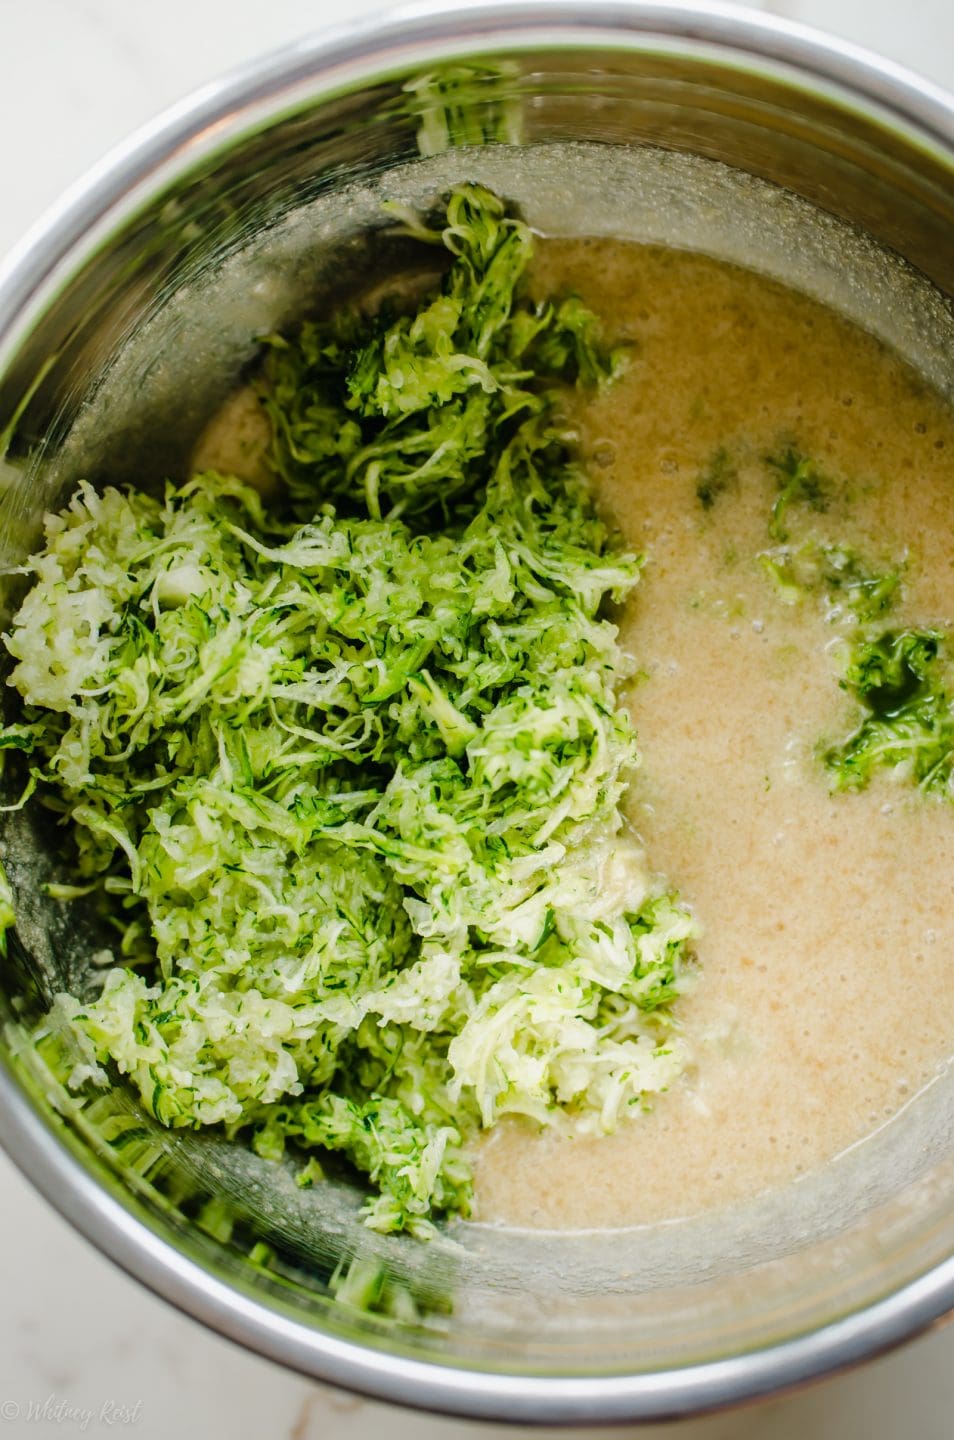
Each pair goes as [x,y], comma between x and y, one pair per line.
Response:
[347,771]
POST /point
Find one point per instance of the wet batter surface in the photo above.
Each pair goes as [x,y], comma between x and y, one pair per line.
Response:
[824,998]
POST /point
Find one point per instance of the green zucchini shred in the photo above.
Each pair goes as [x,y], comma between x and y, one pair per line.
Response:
[899,679]
[901,682]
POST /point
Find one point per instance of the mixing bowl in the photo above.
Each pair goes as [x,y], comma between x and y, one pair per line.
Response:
[124,321]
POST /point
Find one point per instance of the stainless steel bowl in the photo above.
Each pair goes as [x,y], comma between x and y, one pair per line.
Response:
[125,319]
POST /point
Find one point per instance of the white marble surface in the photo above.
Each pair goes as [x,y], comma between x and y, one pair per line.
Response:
[83,1349]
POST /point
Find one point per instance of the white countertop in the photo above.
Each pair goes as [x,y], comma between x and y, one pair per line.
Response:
[84,1349]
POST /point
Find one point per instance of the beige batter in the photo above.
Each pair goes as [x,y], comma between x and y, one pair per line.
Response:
[825,996]
[824,999]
